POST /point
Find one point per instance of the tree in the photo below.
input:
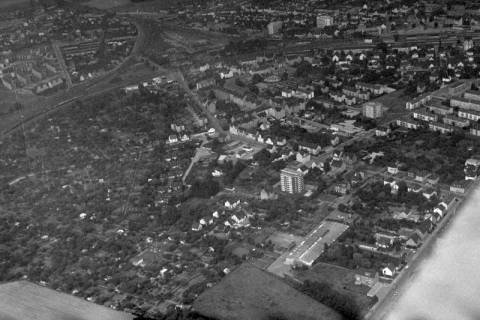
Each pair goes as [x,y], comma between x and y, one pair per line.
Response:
[205,188]
[263,157]
[256,79]
[326,166]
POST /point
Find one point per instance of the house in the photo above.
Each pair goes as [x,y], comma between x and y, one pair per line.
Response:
[429,193]
[405,233]
[384,241]
[389,271]
[240,219]
[205,83]
[265,195]
[357,178]
[440,211]
[422,176]
[459,187]
[414,241]
[172,139]
[382,131]
[390,181]
[342,188]
[303,157]
[424,228]
[392,170]
[197,226]
[433,179]
[311,148]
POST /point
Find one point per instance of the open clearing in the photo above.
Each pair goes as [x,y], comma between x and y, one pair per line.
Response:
[250,293]
[24,300]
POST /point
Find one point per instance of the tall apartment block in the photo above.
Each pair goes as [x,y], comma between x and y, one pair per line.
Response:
[291,180]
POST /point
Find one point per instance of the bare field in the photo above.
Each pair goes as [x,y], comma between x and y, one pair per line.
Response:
[250,293]
[25,300]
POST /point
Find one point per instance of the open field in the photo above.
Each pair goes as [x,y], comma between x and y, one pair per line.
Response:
[127,5]
[107,4]
[340,279]
[25,300]
[16,3]
[250,293]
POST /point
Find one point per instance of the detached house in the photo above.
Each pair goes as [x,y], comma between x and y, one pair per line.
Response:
[384,241]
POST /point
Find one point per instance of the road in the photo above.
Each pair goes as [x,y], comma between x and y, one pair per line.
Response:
[61,60]
[196,99]
[382,309]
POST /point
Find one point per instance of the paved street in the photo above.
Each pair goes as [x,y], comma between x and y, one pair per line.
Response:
[61,60]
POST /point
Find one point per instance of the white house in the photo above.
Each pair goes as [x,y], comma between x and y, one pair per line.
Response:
[388,271]
[392,170]
[172,139]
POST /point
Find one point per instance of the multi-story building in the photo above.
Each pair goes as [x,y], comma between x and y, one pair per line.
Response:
[456,121]
[418,101]
[274,27]
[443,128]
[409,124]
[437,106]
[425,116]
[372,110]
[469,114]
[291,180]
[463,103]
[472,95]
[324,20]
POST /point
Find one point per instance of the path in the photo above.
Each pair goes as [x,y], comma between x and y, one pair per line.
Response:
[199,154]
[196,99]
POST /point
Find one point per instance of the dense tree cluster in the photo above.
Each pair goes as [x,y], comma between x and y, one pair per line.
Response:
[205,188]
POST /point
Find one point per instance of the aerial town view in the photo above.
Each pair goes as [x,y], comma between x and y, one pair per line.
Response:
[239,160]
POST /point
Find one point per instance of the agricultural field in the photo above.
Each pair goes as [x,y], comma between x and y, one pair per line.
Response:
[250,293]
[25,300]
